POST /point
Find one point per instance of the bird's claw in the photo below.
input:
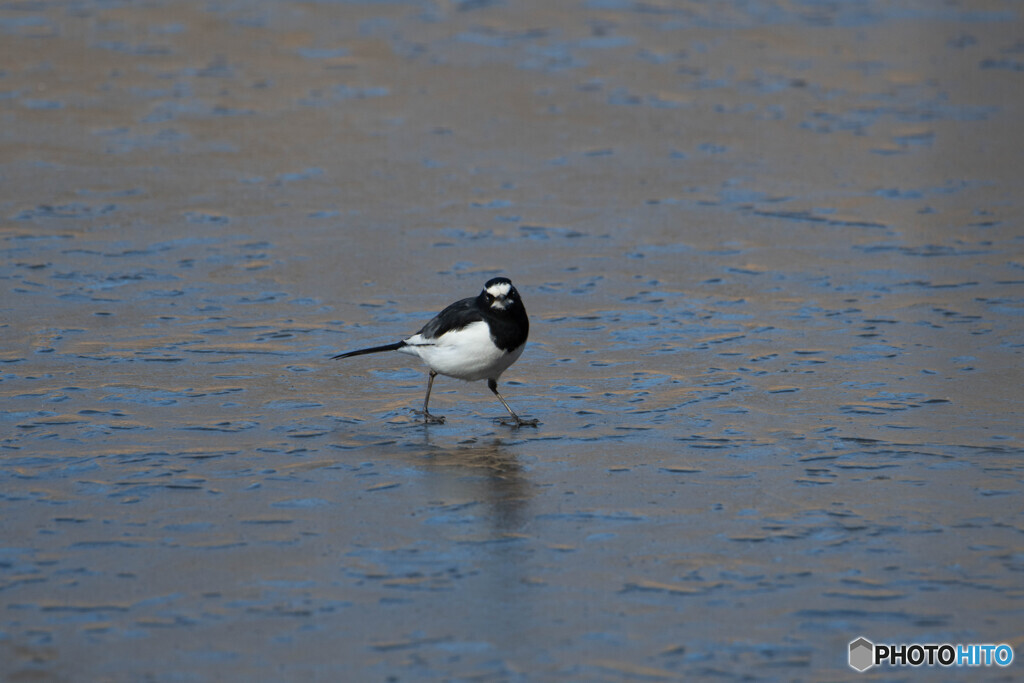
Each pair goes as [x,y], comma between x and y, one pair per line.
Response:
[517,422]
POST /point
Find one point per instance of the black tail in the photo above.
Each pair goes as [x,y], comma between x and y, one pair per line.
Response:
[375,349]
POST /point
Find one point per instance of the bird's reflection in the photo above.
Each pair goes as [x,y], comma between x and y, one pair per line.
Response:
[483,470]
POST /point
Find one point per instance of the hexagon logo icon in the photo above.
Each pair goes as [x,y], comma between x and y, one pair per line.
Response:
[862,654]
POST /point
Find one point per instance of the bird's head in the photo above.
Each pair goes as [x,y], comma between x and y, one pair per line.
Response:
[499,294]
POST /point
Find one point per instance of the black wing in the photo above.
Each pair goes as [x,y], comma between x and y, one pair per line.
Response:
[454,317]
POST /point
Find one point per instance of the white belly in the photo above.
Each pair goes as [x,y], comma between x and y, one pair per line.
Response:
[468,354]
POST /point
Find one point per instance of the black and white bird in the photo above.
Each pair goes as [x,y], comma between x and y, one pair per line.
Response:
[472,339]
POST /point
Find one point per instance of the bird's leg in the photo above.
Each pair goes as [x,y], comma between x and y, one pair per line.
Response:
[427,417]
[518,421]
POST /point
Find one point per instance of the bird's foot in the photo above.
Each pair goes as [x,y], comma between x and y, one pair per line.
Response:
[431,419]
[517,422]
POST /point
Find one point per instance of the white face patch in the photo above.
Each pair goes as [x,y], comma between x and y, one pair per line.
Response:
[499,289]
[498,293]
